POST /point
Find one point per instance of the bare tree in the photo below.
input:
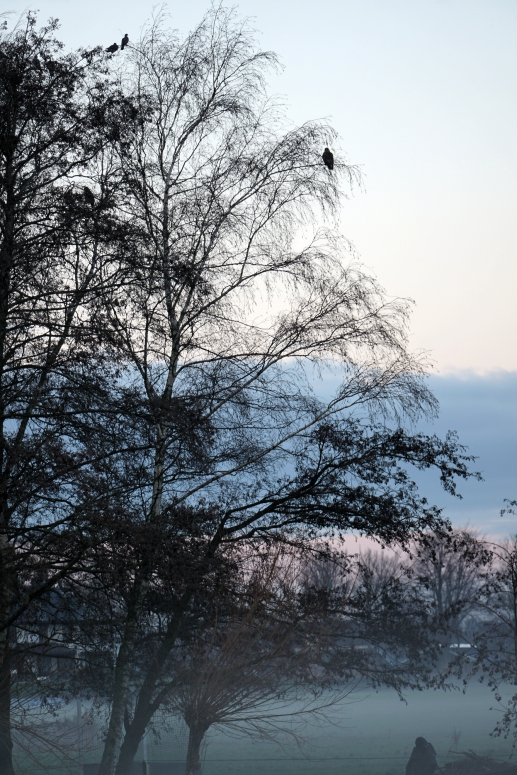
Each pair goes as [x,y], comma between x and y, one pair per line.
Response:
[451,570]
[220,320]
[495,634]
[304,634]
[264,647]
[161,334]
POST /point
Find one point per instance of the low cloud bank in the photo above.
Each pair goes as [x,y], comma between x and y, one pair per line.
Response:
[483,410]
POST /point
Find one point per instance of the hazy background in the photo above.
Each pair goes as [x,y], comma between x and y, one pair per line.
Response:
[423,94]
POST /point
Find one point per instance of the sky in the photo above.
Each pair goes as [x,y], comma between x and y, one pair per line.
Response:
[423,96]
[482,409]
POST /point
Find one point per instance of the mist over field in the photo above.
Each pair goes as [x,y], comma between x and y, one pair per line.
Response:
[373,735]
[370,733]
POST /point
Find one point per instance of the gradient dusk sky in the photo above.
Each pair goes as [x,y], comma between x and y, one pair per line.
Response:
[424,96]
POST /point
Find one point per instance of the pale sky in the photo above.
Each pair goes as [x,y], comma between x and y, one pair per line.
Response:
[424,96]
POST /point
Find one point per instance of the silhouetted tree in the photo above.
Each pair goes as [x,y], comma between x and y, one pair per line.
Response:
[302,633]
[495,634]
[216,393]
[154,416]
[451,570]
[53,119]
[270,642]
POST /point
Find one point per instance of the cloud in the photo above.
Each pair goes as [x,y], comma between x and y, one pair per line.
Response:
[483,410]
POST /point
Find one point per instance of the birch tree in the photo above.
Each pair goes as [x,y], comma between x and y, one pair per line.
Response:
[238,295]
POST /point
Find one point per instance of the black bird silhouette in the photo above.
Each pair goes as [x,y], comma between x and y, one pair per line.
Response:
[112,48]
[88,195]
[125,41]
[328,158]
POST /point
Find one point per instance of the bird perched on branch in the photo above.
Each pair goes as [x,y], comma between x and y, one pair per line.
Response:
[111,49]
[125,41]
[88,195]
[328,158]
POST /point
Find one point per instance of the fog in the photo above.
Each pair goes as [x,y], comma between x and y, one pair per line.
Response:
[374,734]
[371,733]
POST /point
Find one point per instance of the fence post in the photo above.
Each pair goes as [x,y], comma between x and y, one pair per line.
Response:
[79,710]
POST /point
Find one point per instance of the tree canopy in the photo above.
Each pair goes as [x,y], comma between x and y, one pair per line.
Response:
[173,293]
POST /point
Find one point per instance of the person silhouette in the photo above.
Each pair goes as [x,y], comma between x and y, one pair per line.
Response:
[423,758]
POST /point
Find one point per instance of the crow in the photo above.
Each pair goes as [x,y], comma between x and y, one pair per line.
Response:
[88,195]
[328,158]
[125,41]
[112,48]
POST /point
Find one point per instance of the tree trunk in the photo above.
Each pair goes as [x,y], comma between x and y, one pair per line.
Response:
[147,702]
[6,256]
[122,677]
[129,748]
[197,732]
[115,728]
[144,708]
[6,743]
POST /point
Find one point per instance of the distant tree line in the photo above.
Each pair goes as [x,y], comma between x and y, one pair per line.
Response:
[175,478]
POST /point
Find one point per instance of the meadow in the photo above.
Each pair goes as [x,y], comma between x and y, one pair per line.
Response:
[371,733]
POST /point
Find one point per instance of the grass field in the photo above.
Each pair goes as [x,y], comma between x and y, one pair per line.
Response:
[371,734]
